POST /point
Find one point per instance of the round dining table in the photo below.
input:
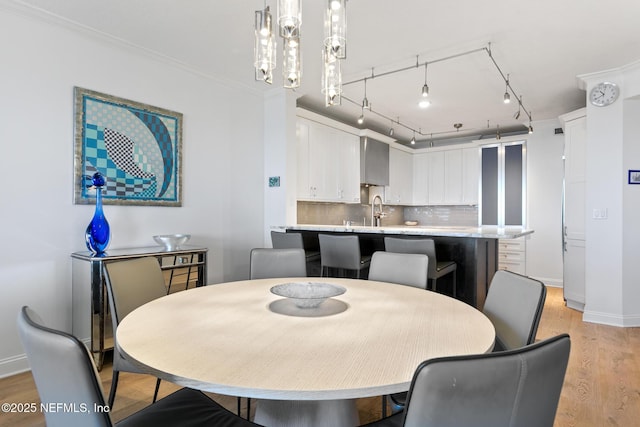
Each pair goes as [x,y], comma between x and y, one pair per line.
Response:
[306,366]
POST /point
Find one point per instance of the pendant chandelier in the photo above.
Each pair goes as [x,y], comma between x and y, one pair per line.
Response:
[265,46]
[289,28]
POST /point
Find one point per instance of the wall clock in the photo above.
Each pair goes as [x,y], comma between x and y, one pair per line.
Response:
[603,94]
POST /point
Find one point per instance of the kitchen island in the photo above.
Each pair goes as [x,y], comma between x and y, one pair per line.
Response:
[474,249]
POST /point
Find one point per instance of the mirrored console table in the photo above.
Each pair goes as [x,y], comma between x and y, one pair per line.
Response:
[91,321]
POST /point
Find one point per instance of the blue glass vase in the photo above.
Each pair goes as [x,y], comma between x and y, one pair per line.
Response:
[98,232]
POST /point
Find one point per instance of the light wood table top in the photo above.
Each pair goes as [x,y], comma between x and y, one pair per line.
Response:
[225,339]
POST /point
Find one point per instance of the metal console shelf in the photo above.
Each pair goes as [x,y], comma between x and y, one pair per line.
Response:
[91,321]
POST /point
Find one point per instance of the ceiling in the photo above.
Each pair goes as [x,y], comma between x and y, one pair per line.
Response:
[543,45]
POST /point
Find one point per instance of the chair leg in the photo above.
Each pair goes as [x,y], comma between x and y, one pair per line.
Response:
[433,285]
[155,392]
[248,407]
[114,385]
[384,406]
[455,293]
[238,400]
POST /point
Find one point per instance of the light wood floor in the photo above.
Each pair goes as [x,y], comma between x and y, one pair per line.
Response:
[602,385]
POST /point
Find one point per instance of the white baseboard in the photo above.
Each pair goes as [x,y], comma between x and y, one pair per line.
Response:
[554,283]
[13,365]
[611,319]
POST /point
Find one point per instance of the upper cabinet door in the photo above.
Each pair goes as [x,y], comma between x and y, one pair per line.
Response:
[304,188]
[421,179]
[328,163]
[348,156]
[453,177]
[436,177]
[575,160]
[400,188]
[470,175]
[323,169]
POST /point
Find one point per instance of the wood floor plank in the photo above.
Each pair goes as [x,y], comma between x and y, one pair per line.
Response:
[601,388]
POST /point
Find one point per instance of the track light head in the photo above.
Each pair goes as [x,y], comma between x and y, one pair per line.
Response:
[391,131]
[425,91]
[507,98]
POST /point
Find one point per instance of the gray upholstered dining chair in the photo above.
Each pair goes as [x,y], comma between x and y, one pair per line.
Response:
[130,284]
[64,372]
[342,253]
[293,240]
[403,269]
[266,263]
[437,269]
[514,305]
[512,388]
[280,240]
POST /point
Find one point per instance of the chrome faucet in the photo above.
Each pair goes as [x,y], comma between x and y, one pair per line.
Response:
[375,216]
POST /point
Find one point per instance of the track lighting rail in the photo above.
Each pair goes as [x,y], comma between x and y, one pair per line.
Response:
[419,64]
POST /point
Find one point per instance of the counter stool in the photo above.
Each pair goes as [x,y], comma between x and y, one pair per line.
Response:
[280,240]
[342,252]
[427,247]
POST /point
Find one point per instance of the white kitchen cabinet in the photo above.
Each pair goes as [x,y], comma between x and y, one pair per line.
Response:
[328,163]
[453,177]
[436,173]
[400,188]
[304,187]
[574,215]
[420,179]
[348,158]
[471,162]
[512,255]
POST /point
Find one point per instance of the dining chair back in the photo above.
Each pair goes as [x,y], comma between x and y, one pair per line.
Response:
[267,263]
[512,388]
[342,252]
[130,284]
[516,388]
[64,372]
[437,269]
[403,269]
[293,240]
[514,305]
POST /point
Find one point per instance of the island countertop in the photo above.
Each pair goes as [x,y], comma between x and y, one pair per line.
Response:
[484,232]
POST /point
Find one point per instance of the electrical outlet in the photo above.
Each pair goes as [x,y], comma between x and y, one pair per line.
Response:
[600,213]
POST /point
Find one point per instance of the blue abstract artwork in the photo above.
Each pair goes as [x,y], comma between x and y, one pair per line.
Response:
[137,148]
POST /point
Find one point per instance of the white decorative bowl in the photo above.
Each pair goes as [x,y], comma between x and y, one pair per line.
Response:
[411,223]
[307,294]
[171,242]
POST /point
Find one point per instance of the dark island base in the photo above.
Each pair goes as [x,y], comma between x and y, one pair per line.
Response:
[476,259]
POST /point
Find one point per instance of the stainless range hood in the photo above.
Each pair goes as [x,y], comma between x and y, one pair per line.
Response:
[374,162]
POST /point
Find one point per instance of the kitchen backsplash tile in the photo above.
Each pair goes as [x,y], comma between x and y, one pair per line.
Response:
[442,215]
[359,214]
[336,213]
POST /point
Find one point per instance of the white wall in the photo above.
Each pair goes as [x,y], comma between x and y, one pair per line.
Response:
[544,202]
[612,269]
[42,60]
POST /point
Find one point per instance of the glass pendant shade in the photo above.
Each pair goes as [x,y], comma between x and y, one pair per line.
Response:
[289,18]
[331,79]
[336,28]
[291,66]
[265,46]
